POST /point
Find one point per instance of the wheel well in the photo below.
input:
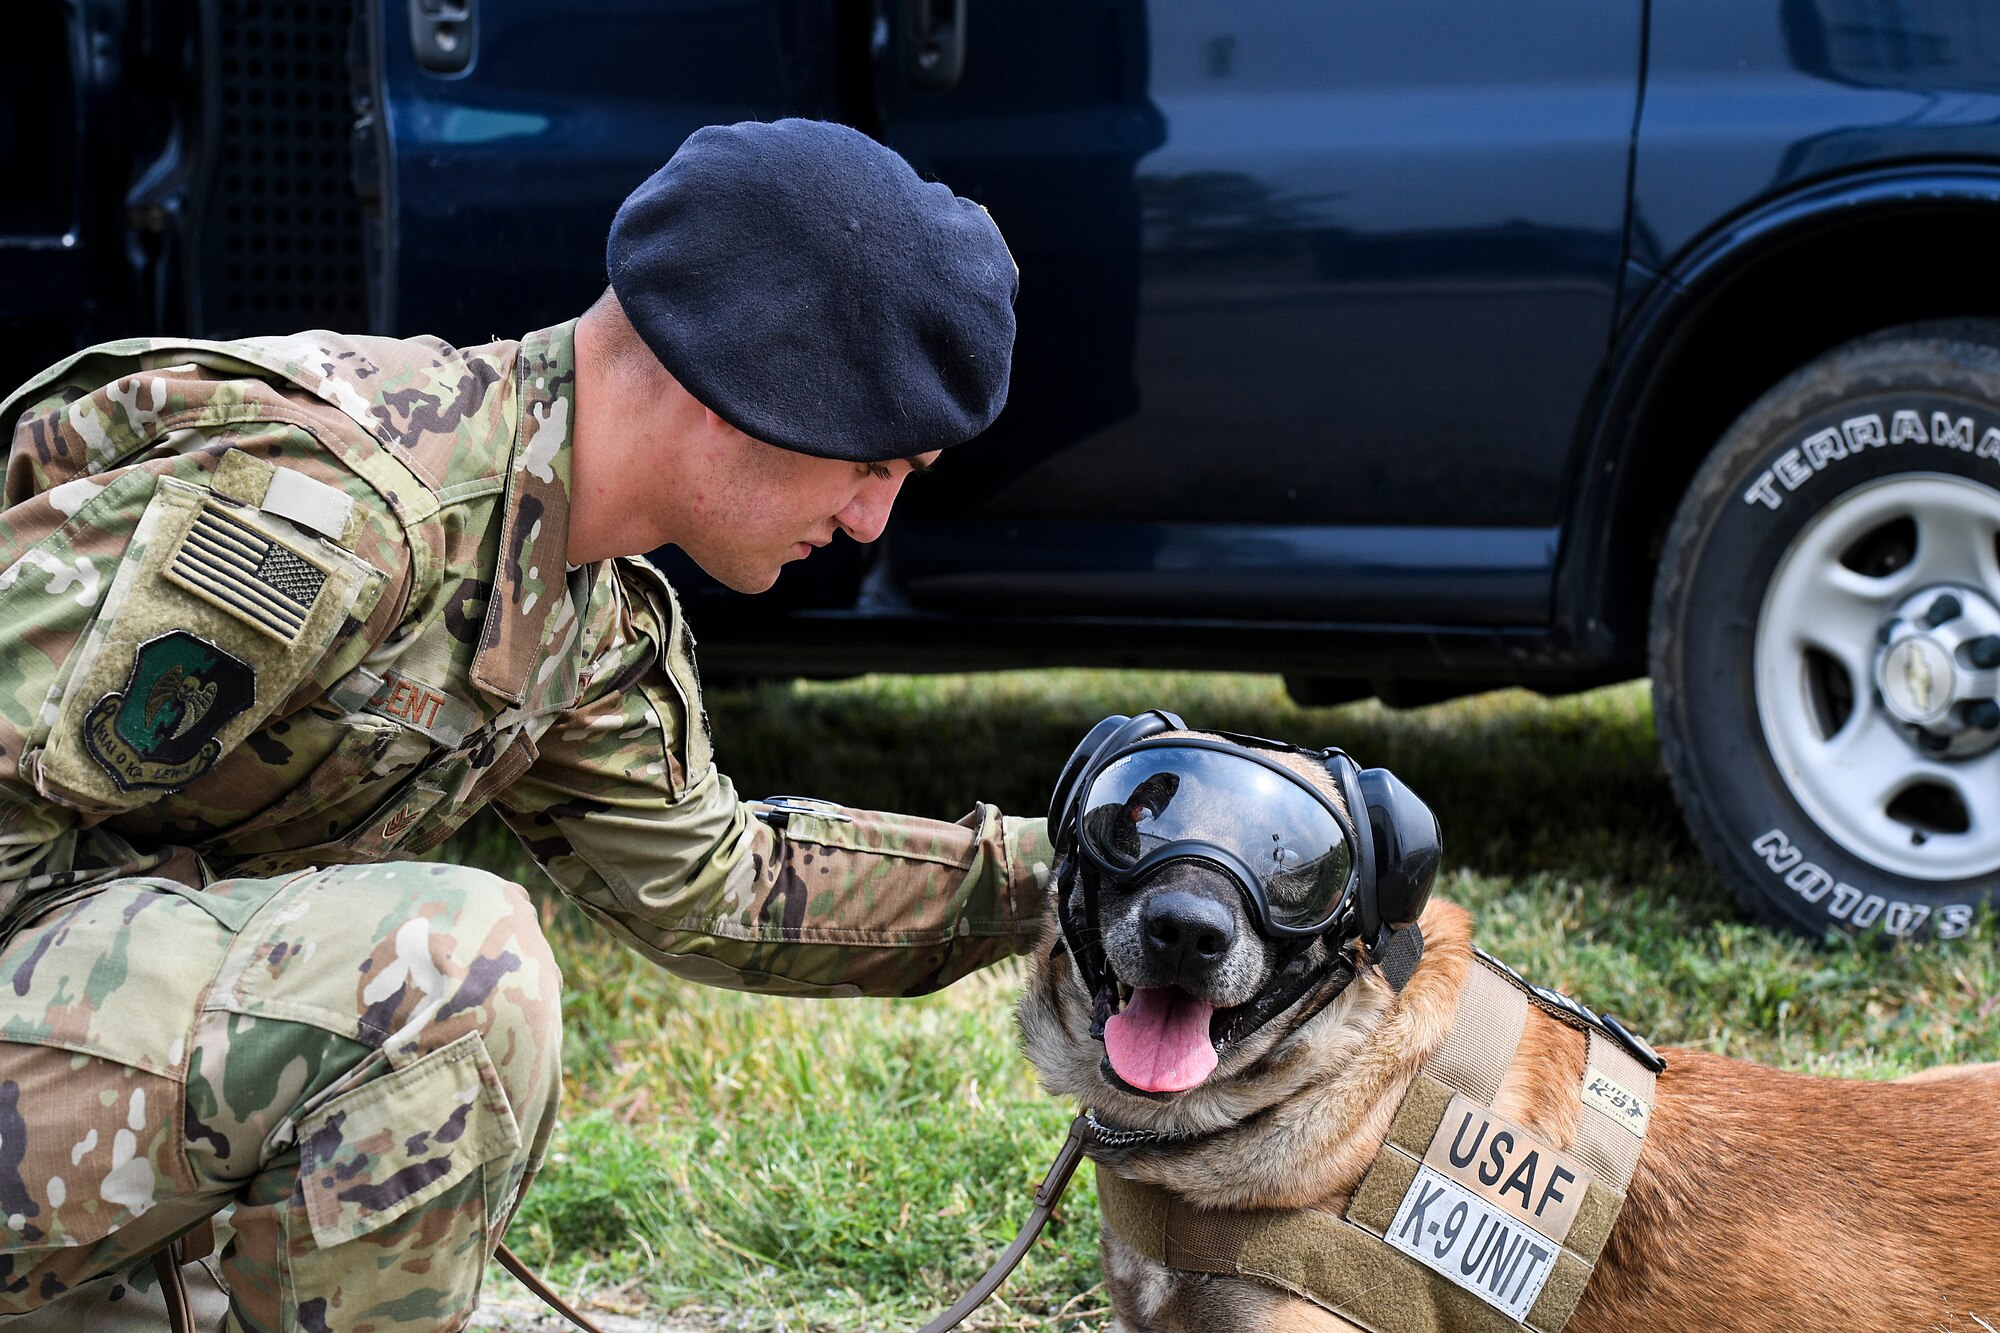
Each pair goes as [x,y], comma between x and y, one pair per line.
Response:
[1795,300]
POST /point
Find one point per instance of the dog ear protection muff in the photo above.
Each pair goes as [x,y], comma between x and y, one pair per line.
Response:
[1407,851]
[1107,738]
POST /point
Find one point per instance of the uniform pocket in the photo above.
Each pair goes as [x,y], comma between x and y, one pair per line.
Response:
[120,973]
[391,1205]
[97,1003]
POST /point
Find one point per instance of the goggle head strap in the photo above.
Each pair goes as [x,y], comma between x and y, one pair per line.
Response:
[1079,920]
[1076,917]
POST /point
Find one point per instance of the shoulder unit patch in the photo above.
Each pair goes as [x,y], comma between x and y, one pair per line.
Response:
[159,731]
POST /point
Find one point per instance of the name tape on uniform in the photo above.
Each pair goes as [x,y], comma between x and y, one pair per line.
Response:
[423,707]
[1497,1258]
[1508,1168]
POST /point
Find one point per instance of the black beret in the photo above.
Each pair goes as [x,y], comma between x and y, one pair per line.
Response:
[806,286]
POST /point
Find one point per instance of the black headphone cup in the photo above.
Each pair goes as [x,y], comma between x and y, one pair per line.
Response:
[1408,848]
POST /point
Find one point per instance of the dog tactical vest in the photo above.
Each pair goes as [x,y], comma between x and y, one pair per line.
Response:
[1465,1222]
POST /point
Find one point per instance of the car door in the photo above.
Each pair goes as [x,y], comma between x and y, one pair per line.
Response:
[1312,298]
[505,134]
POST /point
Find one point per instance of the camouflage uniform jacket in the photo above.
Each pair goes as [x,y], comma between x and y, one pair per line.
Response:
[302,601]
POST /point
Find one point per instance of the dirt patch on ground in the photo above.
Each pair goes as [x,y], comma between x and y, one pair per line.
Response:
[525,1314]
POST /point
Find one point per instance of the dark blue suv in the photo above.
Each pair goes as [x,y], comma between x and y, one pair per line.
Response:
[1407,349]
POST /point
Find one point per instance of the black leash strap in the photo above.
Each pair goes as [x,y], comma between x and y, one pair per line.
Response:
[526,1277]
[1046,1194]
[167,1262]
[167,1267]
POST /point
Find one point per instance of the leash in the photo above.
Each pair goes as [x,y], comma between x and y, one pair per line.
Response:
[1046,1194]
[166,1262]
[167,1268]
[195,1245]
[526,1277]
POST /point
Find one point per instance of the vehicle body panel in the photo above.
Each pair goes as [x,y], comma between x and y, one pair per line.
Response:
[1746,102]
[506,176]
[1341,270]
[1349,335]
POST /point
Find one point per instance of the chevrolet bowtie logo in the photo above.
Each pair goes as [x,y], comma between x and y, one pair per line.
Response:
[1919,681]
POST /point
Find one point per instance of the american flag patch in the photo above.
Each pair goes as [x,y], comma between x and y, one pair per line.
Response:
[226,561]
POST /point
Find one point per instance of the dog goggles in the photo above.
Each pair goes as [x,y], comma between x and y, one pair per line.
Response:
[1295,853]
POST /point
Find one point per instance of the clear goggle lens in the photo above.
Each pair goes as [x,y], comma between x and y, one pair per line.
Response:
[1152,798]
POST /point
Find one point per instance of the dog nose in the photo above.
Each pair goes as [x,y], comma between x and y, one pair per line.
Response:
[1187,932]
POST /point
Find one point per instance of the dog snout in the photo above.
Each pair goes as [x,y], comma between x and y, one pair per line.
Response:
[1187,934]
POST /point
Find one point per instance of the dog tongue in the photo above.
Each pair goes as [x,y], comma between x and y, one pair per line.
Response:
[1159,1040]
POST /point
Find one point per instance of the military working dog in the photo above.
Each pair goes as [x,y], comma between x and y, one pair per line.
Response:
[1761,1200]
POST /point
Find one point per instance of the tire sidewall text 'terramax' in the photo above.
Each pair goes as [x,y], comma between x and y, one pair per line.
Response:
[1895,405]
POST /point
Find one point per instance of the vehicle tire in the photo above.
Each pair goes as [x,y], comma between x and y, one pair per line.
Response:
[1826,640]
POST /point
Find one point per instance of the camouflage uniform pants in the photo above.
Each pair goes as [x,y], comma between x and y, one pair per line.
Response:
[363,1061]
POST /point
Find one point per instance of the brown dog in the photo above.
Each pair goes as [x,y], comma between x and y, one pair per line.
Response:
[1762,1200]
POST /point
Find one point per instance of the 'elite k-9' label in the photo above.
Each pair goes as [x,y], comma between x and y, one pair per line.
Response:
[1625,1108]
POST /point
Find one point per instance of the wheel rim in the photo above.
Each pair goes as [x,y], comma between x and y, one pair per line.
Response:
[1875,664]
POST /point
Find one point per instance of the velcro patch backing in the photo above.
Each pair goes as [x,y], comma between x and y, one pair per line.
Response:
[291,495]
[1418,1118]
[192,647]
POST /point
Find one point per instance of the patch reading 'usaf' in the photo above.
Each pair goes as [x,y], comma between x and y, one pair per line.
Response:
[160,730]
[1509,1167]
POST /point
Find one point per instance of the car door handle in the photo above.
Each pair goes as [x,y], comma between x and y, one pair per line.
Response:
[443,34]
[934,43]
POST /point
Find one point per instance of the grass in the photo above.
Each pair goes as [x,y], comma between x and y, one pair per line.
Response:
[762,1164]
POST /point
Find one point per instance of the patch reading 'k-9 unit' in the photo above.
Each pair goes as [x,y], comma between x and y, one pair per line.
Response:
[254,577]
[1477,1246]
[160,730]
